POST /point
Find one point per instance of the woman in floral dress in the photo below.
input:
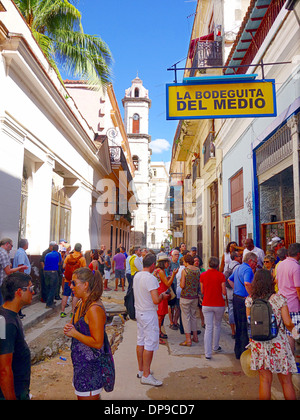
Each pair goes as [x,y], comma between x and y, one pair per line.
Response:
[273,356]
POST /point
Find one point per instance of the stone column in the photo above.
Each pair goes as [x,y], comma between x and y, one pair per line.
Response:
[81,202]
[39,205]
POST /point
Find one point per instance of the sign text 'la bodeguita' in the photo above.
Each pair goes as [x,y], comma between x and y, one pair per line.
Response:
[202,101]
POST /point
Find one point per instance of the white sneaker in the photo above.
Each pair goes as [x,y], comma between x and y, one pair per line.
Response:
[150,380]
[140,373]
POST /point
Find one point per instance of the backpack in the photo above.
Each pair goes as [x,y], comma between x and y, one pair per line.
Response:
[108,366]
[71,265]
[129,302]
[263,324]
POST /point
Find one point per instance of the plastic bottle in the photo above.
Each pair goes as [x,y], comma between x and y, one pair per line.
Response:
[249,326]
[273,326]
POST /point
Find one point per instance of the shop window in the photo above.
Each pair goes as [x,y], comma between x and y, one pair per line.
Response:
[60,222]
[23,206]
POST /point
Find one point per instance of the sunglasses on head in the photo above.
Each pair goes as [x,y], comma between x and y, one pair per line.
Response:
[29,288]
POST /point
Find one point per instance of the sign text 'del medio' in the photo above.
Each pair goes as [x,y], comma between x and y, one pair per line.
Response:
[228,100]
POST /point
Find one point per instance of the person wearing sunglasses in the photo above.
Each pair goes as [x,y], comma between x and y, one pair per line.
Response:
[6,245]
[269,264]
[15,360]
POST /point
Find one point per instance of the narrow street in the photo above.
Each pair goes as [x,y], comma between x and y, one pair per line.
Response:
[185,372]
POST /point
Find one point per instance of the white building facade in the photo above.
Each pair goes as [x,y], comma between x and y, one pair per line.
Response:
[49,162]
[260,164]
[136,121]
[158,210]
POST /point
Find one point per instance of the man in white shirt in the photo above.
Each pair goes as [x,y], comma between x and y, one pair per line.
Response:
[250,247]
[146,299]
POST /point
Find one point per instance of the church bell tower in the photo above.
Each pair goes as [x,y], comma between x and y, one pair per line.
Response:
[136,121]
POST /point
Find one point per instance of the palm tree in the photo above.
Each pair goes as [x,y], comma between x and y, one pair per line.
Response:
[56,26]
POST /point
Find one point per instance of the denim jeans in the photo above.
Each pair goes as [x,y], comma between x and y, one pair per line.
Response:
[213,316]
[240,319]
[51,281]
[129,279]
[230,305]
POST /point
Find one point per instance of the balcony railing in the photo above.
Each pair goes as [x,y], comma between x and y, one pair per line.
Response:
[207,53]
[118,159]
[273,151]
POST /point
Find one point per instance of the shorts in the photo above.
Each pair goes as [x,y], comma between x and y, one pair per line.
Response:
[120,274]
[147,330]
[107,274]
[88,393]
[67,289]
[295,317]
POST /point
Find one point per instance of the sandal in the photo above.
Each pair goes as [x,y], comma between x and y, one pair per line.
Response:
[161,341]
[185,344]
[163,336]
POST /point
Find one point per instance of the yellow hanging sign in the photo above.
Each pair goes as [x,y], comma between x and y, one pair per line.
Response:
[221,100]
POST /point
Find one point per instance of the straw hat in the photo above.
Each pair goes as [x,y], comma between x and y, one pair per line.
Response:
[163,257]
[245,360]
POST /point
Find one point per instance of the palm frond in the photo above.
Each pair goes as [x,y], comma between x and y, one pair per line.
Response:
[57,27]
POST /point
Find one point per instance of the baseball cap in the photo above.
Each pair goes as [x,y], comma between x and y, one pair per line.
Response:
[273,240]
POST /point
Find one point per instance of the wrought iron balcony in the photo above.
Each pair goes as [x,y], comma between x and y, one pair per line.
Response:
[118,160]
[207,53]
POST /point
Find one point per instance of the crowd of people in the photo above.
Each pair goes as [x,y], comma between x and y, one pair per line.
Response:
[173,286]
[243,275]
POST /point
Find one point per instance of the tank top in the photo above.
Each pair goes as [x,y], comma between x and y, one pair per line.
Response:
[191,287]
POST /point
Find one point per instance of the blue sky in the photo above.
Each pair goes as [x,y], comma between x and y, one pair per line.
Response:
[145,37]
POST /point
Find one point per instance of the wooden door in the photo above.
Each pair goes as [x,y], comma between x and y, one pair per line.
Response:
[242,233]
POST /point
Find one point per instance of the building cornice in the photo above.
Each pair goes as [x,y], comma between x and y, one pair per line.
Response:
[21,59]
[137,100]
[134,136]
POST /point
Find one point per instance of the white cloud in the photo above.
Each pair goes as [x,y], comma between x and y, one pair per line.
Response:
[159,146]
